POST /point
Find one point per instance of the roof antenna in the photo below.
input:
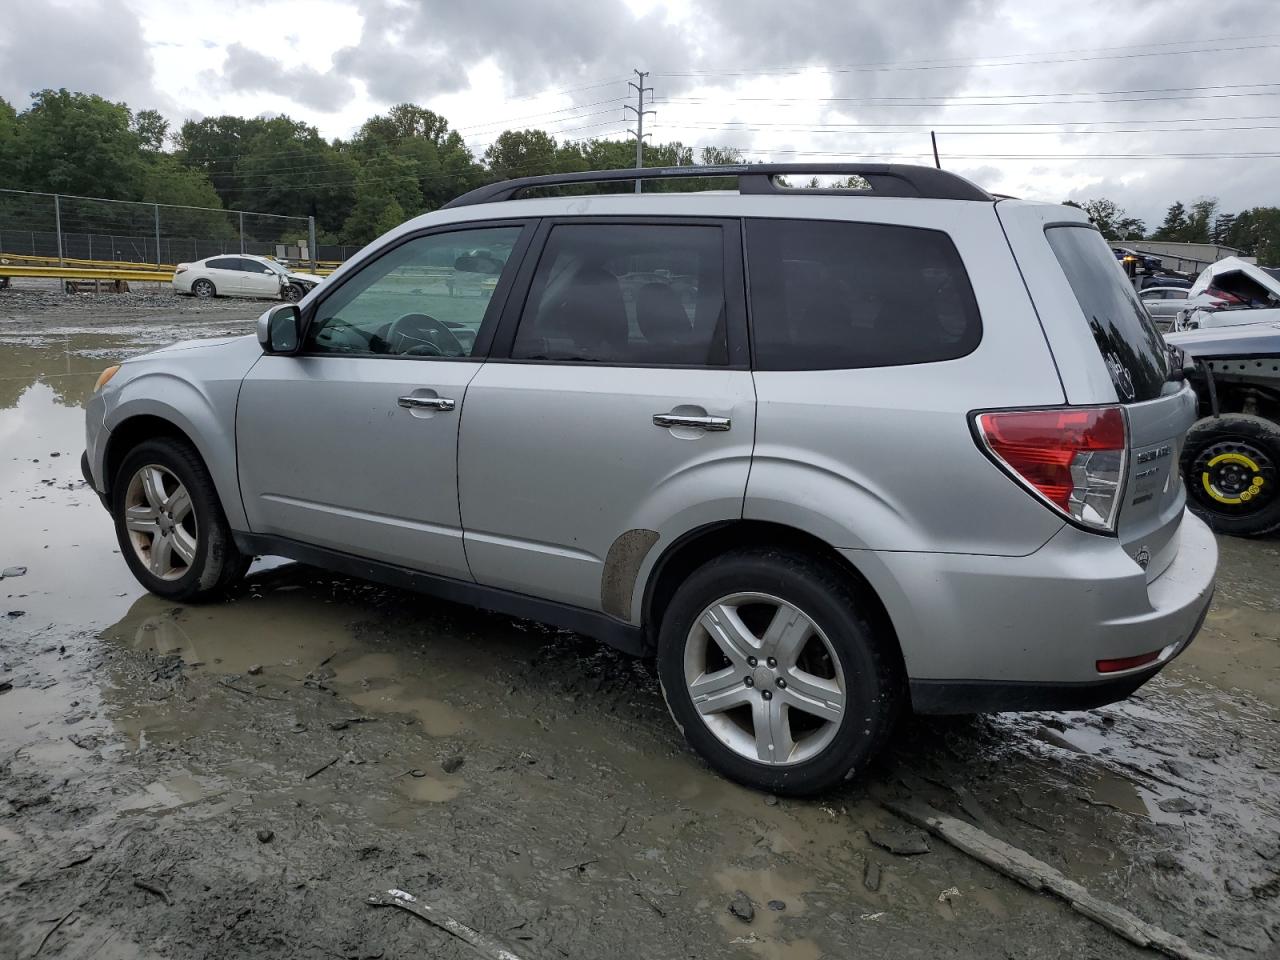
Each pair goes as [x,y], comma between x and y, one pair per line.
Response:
[934,137]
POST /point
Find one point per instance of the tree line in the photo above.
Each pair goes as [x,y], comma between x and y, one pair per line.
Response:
[397,164]
[1255,232]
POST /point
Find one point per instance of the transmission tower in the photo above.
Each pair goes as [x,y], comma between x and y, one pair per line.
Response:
[640,112]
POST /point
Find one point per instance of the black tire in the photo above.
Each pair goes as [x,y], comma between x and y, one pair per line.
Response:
[1232,468]
[204,289]
[875,690]
[217,564]
[293,293]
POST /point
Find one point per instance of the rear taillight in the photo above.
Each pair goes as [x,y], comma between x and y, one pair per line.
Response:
[180,268]
[1072,458]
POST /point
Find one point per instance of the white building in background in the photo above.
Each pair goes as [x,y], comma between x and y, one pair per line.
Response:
[1188,258]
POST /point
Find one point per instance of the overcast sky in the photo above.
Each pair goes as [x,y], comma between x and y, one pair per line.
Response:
[1048,100]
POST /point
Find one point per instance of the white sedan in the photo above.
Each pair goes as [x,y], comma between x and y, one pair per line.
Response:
[242,275]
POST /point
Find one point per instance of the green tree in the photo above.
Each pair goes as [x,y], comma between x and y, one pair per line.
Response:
[521,153]
[1222,227]
[443,164]
[287,168]
[152,130]
[1200,220]
[386,196]
[78,143]
[1111,219]
[1256,233]
[215,146]
[1174,227]
[8,143]
[372,216]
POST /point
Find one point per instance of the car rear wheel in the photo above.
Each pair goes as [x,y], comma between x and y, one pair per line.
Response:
[204,289]
[170,525]
[774,673]
[1232,468]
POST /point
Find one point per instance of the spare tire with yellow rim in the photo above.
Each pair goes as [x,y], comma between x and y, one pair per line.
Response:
[1231,464]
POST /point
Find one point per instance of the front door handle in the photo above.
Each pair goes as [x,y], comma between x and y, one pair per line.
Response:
[426,403]
[713,424]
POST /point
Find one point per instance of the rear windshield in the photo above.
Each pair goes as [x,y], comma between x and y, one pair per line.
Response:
[1126,337]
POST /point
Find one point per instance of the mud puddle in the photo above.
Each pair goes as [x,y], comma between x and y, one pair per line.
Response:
[267,762]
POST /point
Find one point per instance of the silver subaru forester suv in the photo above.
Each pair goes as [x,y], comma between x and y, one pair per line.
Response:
[828,455]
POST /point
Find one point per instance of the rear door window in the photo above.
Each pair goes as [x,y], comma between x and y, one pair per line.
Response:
[834,295]
[1124,333]
[225,263]
[627,293]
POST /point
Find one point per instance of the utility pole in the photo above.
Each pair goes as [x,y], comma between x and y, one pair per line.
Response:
[640,112]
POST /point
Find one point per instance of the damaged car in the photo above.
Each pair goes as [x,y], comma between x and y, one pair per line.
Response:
[1231,292]
[242,275]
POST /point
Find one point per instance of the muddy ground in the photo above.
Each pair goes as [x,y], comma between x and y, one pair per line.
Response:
[234,780]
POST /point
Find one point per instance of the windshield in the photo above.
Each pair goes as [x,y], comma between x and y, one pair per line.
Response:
[1125,335]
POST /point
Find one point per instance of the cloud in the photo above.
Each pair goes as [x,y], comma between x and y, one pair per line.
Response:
[247,71]
[95,46]
[420,50]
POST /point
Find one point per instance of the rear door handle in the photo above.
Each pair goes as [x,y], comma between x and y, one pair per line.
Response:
[712,424]
[426,403]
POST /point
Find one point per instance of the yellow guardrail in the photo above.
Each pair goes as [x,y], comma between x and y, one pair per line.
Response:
[85,273]
[26,259]
[26,265]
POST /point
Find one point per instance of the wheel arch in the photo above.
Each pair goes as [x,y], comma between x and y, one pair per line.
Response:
[128,434]
[702,544]
[132,423]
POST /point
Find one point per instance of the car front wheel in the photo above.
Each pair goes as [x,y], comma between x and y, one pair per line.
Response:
[775,674]
[170,525]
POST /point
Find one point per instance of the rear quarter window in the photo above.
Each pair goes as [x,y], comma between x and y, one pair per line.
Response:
[1126,337]
[829,295]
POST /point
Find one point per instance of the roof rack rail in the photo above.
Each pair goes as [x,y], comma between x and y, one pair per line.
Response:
[886,180]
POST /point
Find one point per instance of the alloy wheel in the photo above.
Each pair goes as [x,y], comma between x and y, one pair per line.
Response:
[764,678]
[161,522]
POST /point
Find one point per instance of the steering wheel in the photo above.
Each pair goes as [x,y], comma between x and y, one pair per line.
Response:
[418,335]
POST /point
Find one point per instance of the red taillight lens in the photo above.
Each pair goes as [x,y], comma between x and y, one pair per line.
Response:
[1073,458]
[180,268]
[1126,663]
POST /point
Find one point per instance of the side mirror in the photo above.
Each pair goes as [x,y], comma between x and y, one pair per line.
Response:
[280,329]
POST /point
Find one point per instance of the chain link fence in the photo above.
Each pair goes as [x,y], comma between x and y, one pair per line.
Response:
[63,227]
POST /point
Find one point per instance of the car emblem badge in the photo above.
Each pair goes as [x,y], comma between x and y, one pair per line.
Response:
[1143,557]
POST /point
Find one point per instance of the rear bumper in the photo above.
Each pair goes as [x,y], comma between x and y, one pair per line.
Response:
[999,696]
[982,633]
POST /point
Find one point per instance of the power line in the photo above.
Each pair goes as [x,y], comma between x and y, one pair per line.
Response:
[1060,93]
[855,129]
[964,60]
[828,154]
[927,102]
[1017,123]
[440,178]
[890,67]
